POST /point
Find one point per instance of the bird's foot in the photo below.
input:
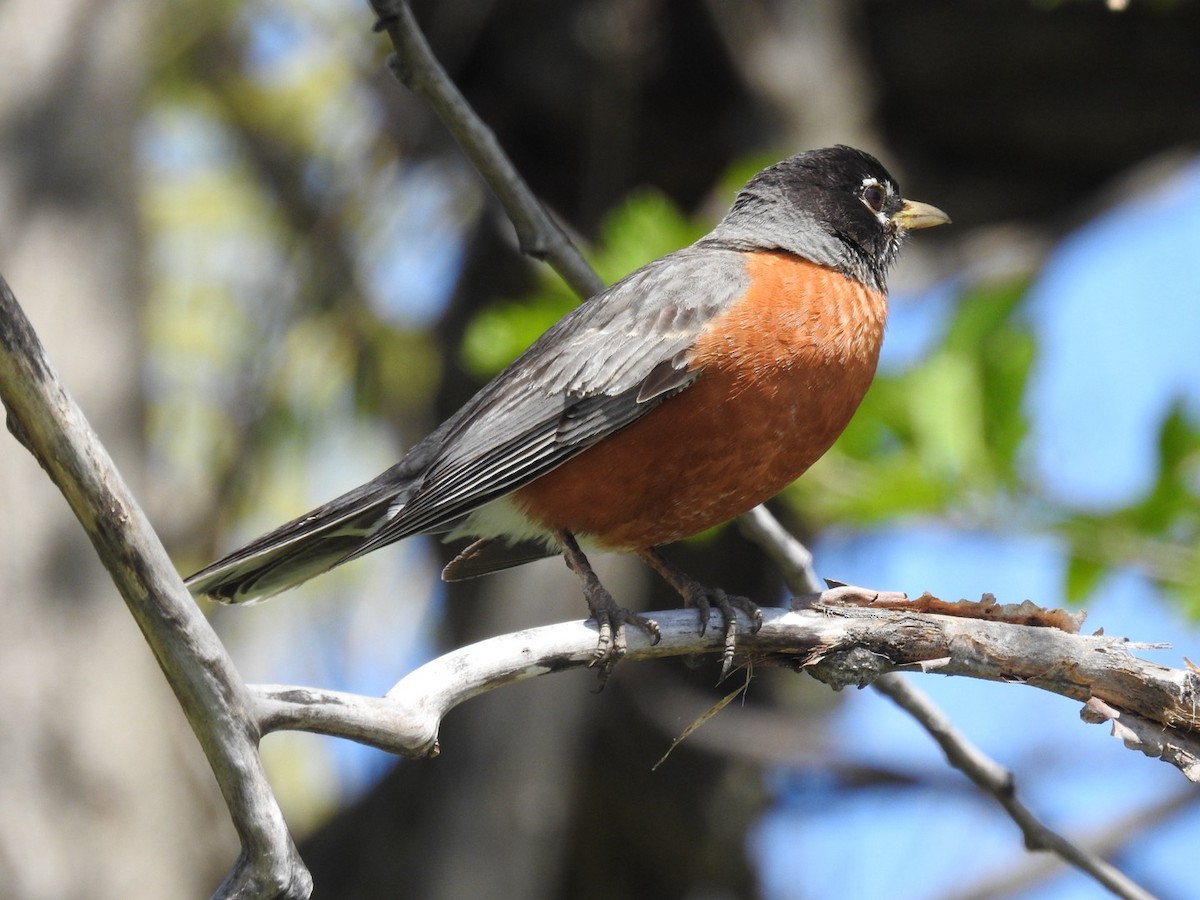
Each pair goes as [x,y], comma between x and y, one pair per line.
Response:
[704,599]
[611,619]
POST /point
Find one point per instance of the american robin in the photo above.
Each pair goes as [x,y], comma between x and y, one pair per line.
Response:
[695,388]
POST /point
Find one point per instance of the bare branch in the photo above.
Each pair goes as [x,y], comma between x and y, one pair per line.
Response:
[1138,732]
[790,556]
[838,645]
[46,420]
[416,67]
[1027,872]
[999,782]
[795,560]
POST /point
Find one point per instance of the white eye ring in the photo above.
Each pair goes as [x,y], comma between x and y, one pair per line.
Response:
[874,195]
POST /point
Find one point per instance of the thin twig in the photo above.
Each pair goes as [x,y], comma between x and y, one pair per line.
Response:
[415,66]
[993,778]
[1017,876]
[790,556]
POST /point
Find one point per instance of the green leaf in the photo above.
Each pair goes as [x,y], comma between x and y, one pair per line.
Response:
[1083,577]
[1174,495]
[983,312]
[646,226]
[944,406]
[498,333]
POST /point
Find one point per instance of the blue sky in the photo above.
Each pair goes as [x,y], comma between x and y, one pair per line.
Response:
[1117,311]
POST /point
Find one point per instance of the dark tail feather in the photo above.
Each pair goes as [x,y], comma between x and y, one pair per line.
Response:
[301,549]
[486,555]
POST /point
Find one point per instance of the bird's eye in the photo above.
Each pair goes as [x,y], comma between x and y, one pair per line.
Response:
[874,195]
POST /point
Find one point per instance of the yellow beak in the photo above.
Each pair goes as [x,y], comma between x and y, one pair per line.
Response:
[914,214]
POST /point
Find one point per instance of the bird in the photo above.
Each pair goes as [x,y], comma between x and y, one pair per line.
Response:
[688,392]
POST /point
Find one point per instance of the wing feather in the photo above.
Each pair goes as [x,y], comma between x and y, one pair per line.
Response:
[602,367]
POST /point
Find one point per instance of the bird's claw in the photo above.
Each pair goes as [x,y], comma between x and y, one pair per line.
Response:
[705,598]
[611,620]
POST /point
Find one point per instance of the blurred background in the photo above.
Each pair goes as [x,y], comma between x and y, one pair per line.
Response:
[264,269]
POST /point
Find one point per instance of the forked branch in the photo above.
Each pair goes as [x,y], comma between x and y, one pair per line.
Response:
[834,636]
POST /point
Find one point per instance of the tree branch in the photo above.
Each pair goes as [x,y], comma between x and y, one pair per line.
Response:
[46,420]
[993,778]
[1020,875]
[837,644]
[791,558]
[795,561]
[415,66]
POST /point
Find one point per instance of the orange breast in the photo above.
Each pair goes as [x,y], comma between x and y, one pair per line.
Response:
[782,372]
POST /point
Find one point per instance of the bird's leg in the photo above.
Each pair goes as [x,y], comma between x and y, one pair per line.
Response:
[704,598]
[610,618]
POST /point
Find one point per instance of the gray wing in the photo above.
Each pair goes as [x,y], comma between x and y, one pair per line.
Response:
[603,366]
[600,368]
